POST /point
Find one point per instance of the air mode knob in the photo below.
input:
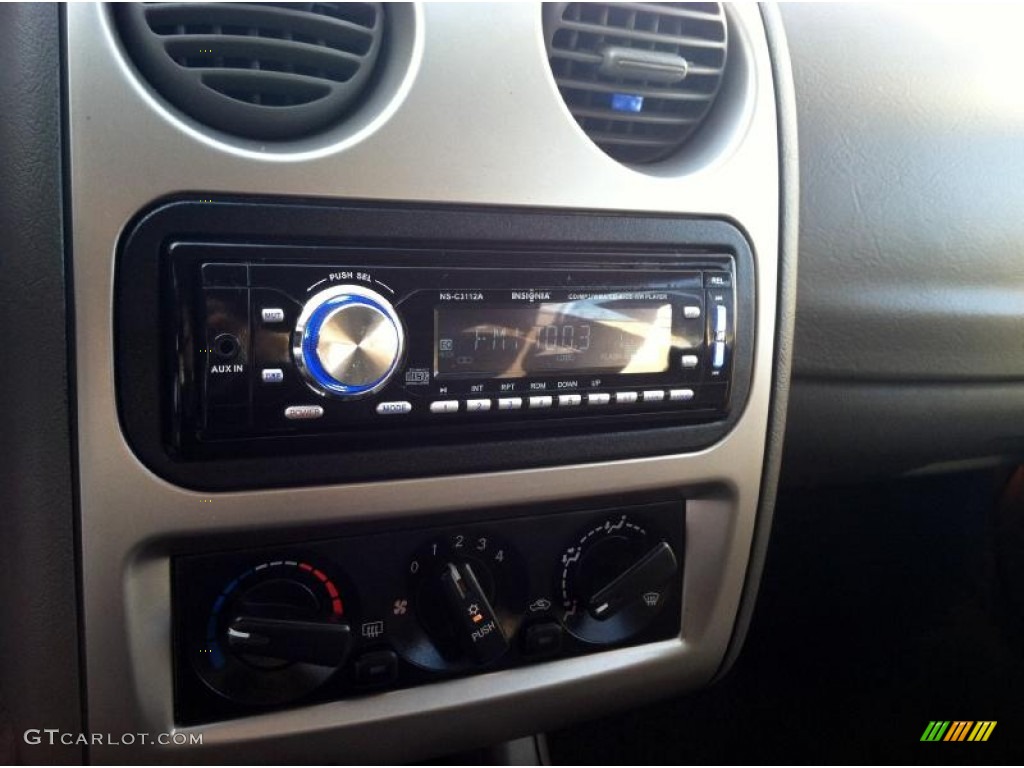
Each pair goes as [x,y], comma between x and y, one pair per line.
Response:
[348,341]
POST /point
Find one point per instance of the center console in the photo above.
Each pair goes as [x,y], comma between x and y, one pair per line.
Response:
[449,422]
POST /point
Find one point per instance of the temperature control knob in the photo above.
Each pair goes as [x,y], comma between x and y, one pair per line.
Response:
[348,341]
[277,632]
[279,621]
[615,579]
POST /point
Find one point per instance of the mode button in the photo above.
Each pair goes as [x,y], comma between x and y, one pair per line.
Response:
[394,407]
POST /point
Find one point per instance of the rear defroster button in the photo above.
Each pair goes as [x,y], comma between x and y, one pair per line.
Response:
[376,668]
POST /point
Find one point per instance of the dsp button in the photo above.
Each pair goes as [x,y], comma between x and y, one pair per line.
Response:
[394,407]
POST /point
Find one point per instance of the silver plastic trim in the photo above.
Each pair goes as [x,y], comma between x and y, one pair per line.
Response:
[476,120]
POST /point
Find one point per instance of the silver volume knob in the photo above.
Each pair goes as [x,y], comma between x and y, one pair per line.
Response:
[348,341]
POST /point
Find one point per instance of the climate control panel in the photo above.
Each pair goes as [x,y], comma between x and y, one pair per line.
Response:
[268,628]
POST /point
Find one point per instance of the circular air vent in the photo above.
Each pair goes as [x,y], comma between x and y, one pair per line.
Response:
[638,77]
[261,71]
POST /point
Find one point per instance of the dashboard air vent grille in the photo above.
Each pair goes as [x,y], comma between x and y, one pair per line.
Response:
[262,71]
[638,77]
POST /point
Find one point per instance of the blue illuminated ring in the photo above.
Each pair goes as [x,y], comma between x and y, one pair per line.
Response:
[317,310]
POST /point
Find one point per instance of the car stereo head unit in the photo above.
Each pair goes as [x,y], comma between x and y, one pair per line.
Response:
[271,343]
[399,340]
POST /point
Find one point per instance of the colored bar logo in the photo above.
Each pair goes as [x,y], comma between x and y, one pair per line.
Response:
[958,730]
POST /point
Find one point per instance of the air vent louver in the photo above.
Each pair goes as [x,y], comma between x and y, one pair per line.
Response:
[271,71]
[638,77]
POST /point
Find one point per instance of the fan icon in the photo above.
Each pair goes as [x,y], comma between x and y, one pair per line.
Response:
[400,607]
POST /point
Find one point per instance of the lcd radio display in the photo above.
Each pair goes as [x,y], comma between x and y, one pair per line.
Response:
[552,338]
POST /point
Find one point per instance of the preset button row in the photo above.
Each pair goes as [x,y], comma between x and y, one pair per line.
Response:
[481,405]
[573,400]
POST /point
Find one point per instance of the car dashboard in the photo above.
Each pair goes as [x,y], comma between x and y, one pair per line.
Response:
[420,373]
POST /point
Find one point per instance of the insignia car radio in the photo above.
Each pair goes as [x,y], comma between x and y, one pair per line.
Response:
[371,340]
[273,343]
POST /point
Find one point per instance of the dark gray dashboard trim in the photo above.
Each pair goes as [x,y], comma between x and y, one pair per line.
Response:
[40,683]
[908,343]
[789,232]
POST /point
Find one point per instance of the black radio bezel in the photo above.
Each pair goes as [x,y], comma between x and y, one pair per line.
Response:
[147,357]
